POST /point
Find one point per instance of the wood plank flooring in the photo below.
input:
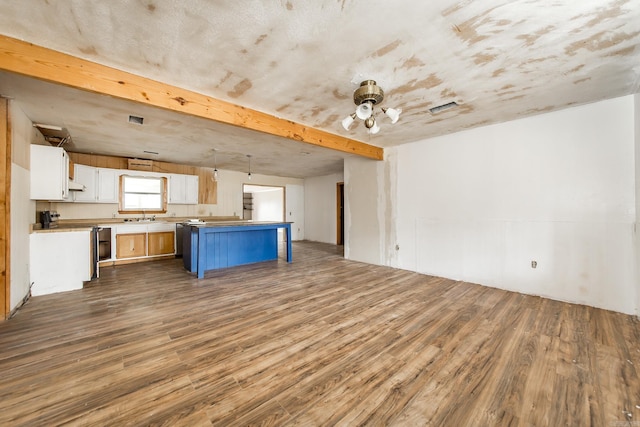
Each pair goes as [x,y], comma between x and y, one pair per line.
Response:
[321,341]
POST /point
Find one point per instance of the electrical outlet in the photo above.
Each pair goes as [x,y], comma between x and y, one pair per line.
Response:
[534,264]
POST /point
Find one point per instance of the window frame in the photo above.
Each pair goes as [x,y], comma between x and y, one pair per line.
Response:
[164,184]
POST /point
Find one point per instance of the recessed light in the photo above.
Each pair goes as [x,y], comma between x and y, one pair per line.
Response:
[136,120]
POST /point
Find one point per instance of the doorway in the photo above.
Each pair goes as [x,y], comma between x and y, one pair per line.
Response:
[263,203]
[340,213]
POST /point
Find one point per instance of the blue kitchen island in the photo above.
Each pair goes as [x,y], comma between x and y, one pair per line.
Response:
[214,245]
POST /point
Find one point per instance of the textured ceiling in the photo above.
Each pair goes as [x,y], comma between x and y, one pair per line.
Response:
[500,60]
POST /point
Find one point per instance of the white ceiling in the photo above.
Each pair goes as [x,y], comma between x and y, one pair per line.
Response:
[501,60]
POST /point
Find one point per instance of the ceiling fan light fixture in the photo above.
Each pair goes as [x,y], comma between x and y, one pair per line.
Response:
[364,110]
[366,97]
[348,121]
[374,129]
[393,114]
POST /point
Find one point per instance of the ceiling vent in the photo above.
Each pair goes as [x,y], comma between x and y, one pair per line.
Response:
[443,107]
[136,120]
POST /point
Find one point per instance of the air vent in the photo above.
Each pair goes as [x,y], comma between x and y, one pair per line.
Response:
[136,120]
[443,107]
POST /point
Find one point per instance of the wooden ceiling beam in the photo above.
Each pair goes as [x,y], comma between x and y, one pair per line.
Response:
[42,63]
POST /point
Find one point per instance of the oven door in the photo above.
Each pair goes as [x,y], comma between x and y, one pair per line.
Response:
[94,252]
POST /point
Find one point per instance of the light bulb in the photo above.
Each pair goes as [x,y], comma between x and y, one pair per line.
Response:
[348,121]
[249,175]
[215,174]
[364,110]
[375,128]
[392,113]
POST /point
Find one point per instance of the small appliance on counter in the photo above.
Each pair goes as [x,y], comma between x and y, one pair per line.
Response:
[49,219]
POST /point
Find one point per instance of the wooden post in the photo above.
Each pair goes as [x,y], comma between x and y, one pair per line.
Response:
[5,202]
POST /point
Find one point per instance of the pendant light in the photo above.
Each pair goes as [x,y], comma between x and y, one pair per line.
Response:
[215,165]
[249,175]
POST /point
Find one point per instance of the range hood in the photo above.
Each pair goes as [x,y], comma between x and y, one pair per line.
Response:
[76,186]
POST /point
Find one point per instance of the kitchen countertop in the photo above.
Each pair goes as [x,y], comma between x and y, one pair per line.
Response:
[65,225]
[234,223]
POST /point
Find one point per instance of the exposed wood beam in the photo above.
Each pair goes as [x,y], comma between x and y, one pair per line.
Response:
[45,64]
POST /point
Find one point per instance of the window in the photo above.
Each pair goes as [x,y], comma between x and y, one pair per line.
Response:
[143,194]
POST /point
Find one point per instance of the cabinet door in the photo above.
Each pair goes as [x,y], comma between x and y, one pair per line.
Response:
[49,173]
[131,245]
[176,188]
[161,243]
[107,185]
[87,176]
[191,190]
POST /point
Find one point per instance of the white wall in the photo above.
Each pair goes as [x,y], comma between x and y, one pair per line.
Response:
[22,209]
[294,200]
[480,205]
[320,208]
[370,209]
[229,199]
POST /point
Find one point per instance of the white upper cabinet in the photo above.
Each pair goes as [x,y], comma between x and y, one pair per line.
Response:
[101,184]
[49,173]
[191,190]
[87,176]
[183,189]
[108,185]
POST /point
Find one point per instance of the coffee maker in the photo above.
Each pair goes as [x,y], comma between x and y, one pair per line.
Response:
[49,219]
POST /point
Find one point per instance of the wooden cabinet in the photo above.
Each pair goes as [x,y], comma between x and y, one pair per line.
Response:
[161,243]
[138,240]
[131,245]
[49,173]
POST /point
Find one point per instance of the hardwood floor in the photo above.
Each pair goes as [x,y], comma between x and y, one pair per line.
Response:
[322,341]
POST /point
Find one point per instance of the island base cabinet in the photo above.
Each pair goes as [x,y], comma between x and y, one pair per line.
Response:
[59,261]
[161,243]
[131,245]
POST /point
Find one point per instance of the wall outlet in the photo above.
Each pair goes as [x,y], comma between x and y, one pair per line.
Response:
[534,264]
